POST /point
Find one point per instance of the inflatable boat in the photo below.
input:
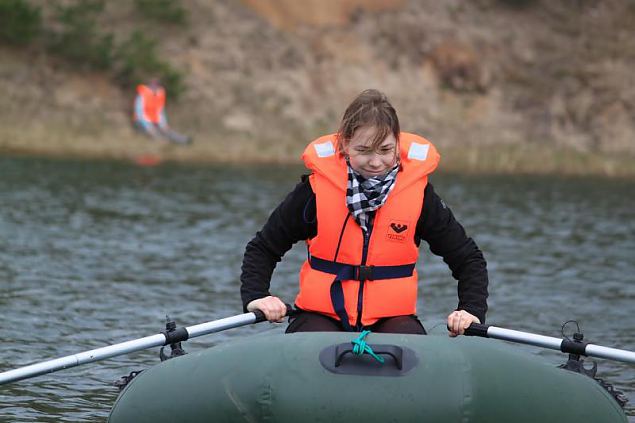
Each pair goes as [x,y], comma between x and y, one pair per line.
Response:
[320,377]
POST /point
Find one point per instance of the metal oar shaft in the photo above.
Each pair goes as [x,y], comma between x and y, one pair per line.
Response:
[81,358]
[563,345]
[611,353]
[226,323]
[127,347]
[524,338]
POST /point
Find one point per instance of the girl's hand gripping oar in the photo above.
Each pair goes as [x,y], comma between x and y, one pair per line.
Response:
[161,339]
[272,307]
[564,345]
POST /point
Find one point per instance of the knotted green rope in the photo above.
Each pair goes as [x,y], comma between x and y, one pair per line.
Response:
[360,347]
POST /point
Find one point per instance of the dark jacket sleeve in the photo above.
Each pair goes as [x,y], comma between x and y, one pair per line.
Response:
[447,238]
[292,221]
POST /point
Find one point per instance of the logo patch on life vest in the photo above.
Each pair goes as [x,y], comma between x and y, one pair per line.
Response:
[397,230]
[398,227]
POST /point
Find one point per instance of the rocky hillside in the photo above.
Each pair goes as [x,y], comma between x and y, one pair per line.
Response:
[494,83]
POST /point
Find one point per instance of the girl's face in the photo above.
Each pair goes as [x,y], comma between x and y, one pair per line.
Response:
[367,161]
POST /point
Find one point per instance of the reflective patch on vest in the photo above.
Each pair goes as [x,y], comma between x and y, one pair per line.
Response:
[398,230]
[325,149]
[418,151]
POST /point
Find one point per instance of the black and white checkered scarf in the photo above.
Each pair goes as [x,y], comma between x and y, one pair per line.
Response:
[364,195]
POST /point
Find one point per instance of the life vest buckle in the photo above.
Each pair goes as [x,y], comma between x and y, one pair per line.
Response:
[364,273]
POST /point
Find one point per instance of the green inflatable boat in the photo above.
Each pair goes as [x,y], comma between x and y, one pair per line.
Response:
[315,377]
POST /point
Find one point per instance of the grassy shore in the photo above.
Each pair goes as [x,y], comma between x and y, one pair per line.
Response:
[126,145]
[537,160]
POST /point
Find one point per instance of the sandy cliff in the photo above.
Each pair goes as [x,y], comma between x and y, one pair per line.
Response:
[496,87]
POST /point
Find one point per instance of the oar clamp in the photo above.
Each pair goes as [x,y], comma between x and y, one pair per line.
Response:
[577,346]
[176,335]
[173,337]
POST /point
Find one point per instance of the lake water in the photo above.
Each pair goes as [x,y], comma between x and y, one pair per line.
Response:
[95,253]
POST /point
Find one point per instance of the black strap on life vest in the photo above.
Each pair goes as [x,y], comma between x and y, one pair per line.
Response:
[360,273]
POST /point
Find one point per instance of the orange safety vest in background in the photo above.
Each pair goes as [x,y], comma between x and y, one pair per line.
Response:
[153,102]
[340,239]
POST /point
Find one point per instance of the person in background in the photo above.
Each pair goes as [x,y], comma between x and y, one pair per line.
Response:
[363,211]
[149,113]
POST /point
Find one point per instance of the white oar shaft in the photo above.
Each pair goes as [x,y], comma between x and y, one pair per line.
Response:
[611,353]
[122,348]
[524,337]
[81,358]
[222,324]
[590,350]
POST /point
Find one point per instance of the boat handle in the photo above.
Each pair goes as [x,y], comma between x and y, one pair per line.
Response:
[392,350]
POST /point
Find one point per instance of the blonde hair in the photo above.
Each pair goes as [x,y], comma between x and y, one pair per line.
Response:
[370,108]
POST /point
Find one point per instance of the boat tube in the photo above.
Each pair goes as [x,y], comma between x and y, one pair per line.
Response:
[316,377]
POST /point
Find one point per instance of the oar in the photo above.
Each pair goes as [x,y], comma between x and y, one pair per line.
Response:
[161,339]
[564,345]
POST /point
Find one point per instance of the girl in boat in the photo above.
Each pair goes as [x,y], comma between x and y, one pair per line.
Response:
[363,211]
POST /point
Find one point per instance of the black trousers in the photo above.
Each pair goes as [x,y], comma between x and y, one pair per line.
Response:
[305,321]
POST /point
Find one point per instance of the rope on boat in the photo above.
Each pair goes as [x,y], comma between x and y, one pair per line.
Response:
[360,347]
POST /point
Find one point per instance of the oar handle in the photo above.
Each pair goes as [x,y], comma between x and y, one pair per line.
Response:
[563,345]
[260,316]
[477,329]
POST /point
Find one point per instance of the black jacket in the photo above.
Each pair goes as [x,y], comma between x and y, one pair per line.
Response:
[295,220]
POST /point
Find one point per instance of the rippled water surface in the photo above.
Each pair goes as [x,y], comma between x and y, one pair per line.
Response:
[93,254]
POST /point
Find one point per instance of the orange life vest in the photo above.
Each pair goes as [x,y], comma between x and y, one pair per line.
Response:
[370,288]
[153,102]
